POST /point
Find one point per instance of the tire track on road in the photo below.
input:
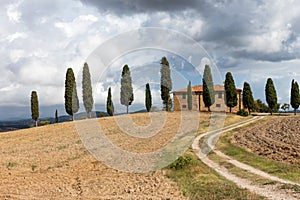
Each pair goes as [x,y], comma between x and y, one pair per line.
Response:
[270,192]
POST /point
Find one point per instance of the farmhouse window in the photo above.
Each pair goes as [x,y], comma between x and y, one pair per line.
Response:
[220,95]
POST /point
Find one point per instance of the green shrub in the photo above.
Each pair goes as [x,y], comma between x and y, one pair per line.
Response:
[243,113]
[181,162]
[43,123]
[102,114]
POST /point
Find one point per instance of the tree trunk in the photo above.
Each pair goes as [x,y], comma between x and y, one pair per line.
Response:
[249,111]
[208,108]
[295,111]
[73,118]
[36,123]
[127,109]
[167,104]
[230,109]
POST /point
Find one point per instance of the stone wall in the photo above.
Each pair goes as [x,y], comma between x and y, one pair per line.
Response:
[180,102]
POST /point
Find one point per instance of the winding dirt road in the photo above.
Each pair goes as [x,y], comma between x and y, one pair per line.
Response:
[268,191]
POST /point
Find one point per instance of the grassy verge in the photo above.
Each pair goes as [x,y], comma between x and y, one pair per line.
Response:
[240,172]
[198,181]
[279,169]
[249,176]
[233,118]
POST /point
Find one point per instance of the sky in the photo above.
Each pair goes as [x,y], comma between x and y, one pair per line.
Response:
[39,40]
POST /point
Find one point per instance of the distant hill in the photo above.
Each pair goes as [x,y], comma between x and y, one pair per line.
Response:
[26,123]
[12,125]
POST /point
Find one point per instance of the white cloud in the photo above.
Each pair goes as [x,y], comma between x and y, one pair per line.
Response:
[15,36]
[269,42]
[13,13]
[38,72]
[16,54]
[9,88]
[256,73]
[79,25]
[41,39]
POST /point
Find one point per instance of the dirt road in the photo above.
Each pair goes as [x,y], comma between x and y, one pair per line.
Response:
[270,192]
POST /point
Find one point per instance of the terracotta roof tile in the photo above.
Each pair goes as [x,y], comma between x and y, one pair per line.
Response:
[199,88]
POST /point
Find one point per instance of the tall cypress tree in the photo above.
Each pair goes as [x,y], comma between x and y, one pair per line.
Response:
[126,94]
[190,96]
[271,96]
[230,92]
[165,82]
[208,88]
[34,107]
[109,103]
[295,96]
[148,98]
[71,98]
[56,116]
[248,100]
[87,91]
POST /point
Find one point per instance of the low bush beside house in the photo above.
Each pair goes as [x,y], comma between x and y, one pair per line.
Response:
[243,113]
[43,123]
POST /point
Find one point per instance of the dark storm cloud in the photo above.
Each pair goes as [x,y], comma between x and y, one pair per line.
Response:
[228,25]
[40,39]
[272,57]
[121,7]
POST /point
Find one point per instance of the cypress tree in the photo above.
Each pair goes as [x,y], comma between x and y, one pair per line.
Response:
[165,83]
[109,103]
[126,96]
[208,88]
[190,96]
[71,98]
[87,92]
[148,98]
[230,92]
[295,96]
[56,117]
[248,100]
[34,107]
[271,96]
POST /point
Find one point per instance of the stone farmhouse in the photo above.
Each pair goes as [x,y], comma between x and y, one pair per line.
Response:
[181,104]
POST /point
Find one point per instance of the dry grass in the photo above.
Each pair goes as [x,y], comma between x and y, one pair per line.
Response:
[51,162]
[142,139]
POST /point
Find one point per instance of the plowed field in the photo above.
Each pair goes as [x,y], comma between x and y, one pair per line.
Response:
[277,138]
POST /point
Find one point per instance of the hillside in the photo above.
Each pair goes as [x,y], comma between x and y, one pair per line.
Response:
[51,162]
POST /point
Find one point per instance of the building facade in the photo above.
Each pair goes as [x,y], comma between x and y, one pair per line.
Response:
[181,99]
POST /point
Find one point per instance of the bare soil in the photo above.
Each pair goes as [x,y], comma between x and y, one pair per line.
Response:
[277,190]
[51,162]
[276,138]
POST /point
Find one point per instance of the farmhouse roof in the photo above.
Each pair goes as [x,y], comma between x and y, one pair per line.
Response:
[199,88]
